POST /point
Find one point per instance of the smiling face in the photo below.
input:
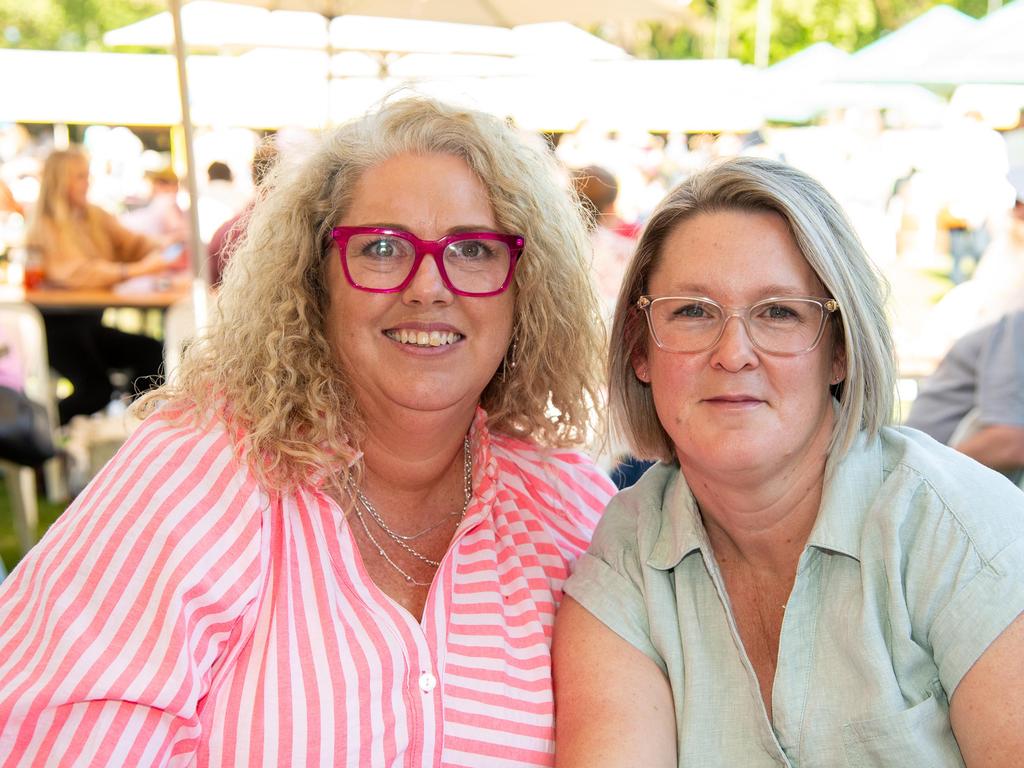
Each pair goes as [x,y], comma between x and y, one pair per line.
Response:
[423,348]
[732,407]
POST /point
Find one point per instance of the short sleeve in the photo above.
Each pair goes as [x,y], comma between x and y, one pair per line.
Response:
[609,579]
[113,626]
[978,613]
[963,556]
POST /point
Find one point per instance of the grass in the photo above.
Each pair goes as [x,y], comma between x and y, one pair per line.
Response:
[10,550]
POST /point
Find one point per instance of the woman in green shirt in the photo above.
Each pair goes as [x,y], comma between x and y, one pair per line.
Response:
[797,582]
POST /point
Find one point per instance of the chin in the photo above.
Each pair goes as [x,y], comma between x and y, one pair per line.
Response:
[726,453]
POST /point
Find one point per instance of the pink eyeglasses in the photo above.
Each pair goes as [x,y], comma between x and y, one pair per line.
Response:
[385,260]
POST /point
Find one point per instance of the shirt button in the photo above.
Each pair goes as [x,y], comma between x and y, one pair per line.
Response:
[427,682]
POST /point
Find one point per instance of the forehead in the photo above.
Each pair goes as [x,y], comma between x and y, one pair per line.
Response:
[733,255]
[426,194]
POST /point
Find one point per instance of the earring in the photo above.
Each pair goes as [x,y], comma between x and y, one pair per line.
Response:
[509,363]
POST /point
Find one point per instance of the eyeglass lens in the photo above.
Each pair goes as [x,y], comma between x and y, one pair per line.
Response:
[783,326]
[384,261]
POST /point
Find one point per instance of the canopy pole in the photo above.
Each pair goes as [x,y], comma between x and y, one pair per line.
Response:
[200,265]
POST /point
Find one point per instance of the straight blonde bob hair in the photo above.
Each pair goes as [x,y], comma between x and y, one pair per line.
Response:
[830,245]
[266,367]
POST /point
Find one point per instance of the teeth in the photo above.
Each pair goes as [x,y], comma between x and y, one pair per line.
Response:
[424,338]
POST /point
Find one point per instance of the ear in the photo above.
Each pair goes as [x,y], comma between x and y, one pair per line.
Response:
[641,367]
[838,363]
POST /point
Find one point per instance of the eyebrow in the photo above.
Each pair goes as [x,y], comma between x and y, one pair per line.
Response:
[767,291]
[452,231]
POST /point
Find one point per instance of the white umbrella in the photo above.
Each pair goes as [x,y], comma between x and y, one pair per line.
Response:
[807,84]
[992,51]
[501,13]
[905,55]
[505,13]
[217,26]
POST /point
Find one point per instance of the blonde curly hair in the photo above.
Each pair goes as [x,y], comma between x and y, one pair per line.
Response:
[266,367]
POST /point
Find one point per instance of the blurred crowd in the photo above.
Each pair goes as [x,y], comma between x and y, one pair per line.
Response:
[934,205]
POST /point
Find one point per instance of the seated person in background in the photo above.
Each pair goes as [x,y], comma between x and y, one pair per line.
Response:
[83,246]
[161,217]
[974,401]
[227,236]
[797,582]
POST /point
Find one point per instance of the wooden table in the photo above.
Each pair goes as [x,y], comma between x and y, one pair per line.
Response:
[70,300]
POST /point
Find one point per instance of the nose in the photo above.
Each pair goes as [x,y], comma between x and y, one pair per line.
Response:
[734,350]
[427,286]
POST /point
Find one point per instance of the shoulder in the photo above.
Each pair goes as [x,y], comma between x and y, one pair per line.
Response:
[551,472]
[951,532]
[97,214]
[633,520]
[563,488]
[927,478]
[177,479]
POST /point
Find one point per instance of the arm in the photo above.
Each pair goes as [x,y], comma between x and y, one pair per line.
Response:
[1000,446]
[128,246]
[987,708]
[613,705]
[112,625]
[101,266]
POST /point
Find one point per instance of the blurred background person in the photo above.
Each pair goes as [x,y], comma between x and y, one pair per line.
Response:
[160,217]
[83,246]
[219,200]
[225,239]
[611,239]
[974,401]
[8,204]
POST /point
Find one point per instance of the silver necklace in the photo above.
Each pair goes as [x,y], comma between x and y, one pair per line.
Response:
[403,539]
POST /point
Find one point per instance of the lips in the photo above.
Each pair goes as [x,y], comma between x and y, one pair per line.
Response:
[423,338]
[734,399]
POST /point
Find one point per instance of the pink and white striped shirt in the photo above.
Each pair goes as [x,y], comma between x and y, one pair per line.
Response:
[179,614]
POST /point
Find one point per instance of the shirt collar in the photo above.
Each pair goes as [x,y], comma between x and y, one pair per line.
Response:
[851,484]
[485,471]
[682,530]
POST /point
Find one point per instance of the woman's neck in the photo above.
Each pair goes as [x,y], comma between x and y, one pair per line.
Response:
[415,458]
[763,517]
[765,526]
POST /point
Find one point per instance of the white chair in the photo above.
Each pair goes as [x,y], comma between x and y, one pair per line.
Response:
[180,329]
[24,327]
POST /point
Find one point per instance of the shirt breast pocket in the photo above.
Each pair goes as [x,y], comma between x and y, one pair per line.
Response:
[920,735]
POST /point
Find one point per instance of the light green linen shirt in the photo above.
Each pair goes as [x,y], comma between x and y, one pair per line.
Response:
[914,566]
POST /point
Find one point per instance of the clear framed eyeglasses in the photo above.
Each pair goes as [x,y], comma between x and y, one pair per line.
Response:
[470,263]
[781,325]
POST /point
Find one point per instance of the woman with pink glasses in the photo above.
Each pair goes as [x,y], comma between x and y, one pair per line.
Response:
[340,537]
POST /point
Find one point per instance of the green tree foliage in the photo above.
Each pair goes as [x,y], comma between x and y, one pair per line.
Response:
[796,24]
[70,25]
